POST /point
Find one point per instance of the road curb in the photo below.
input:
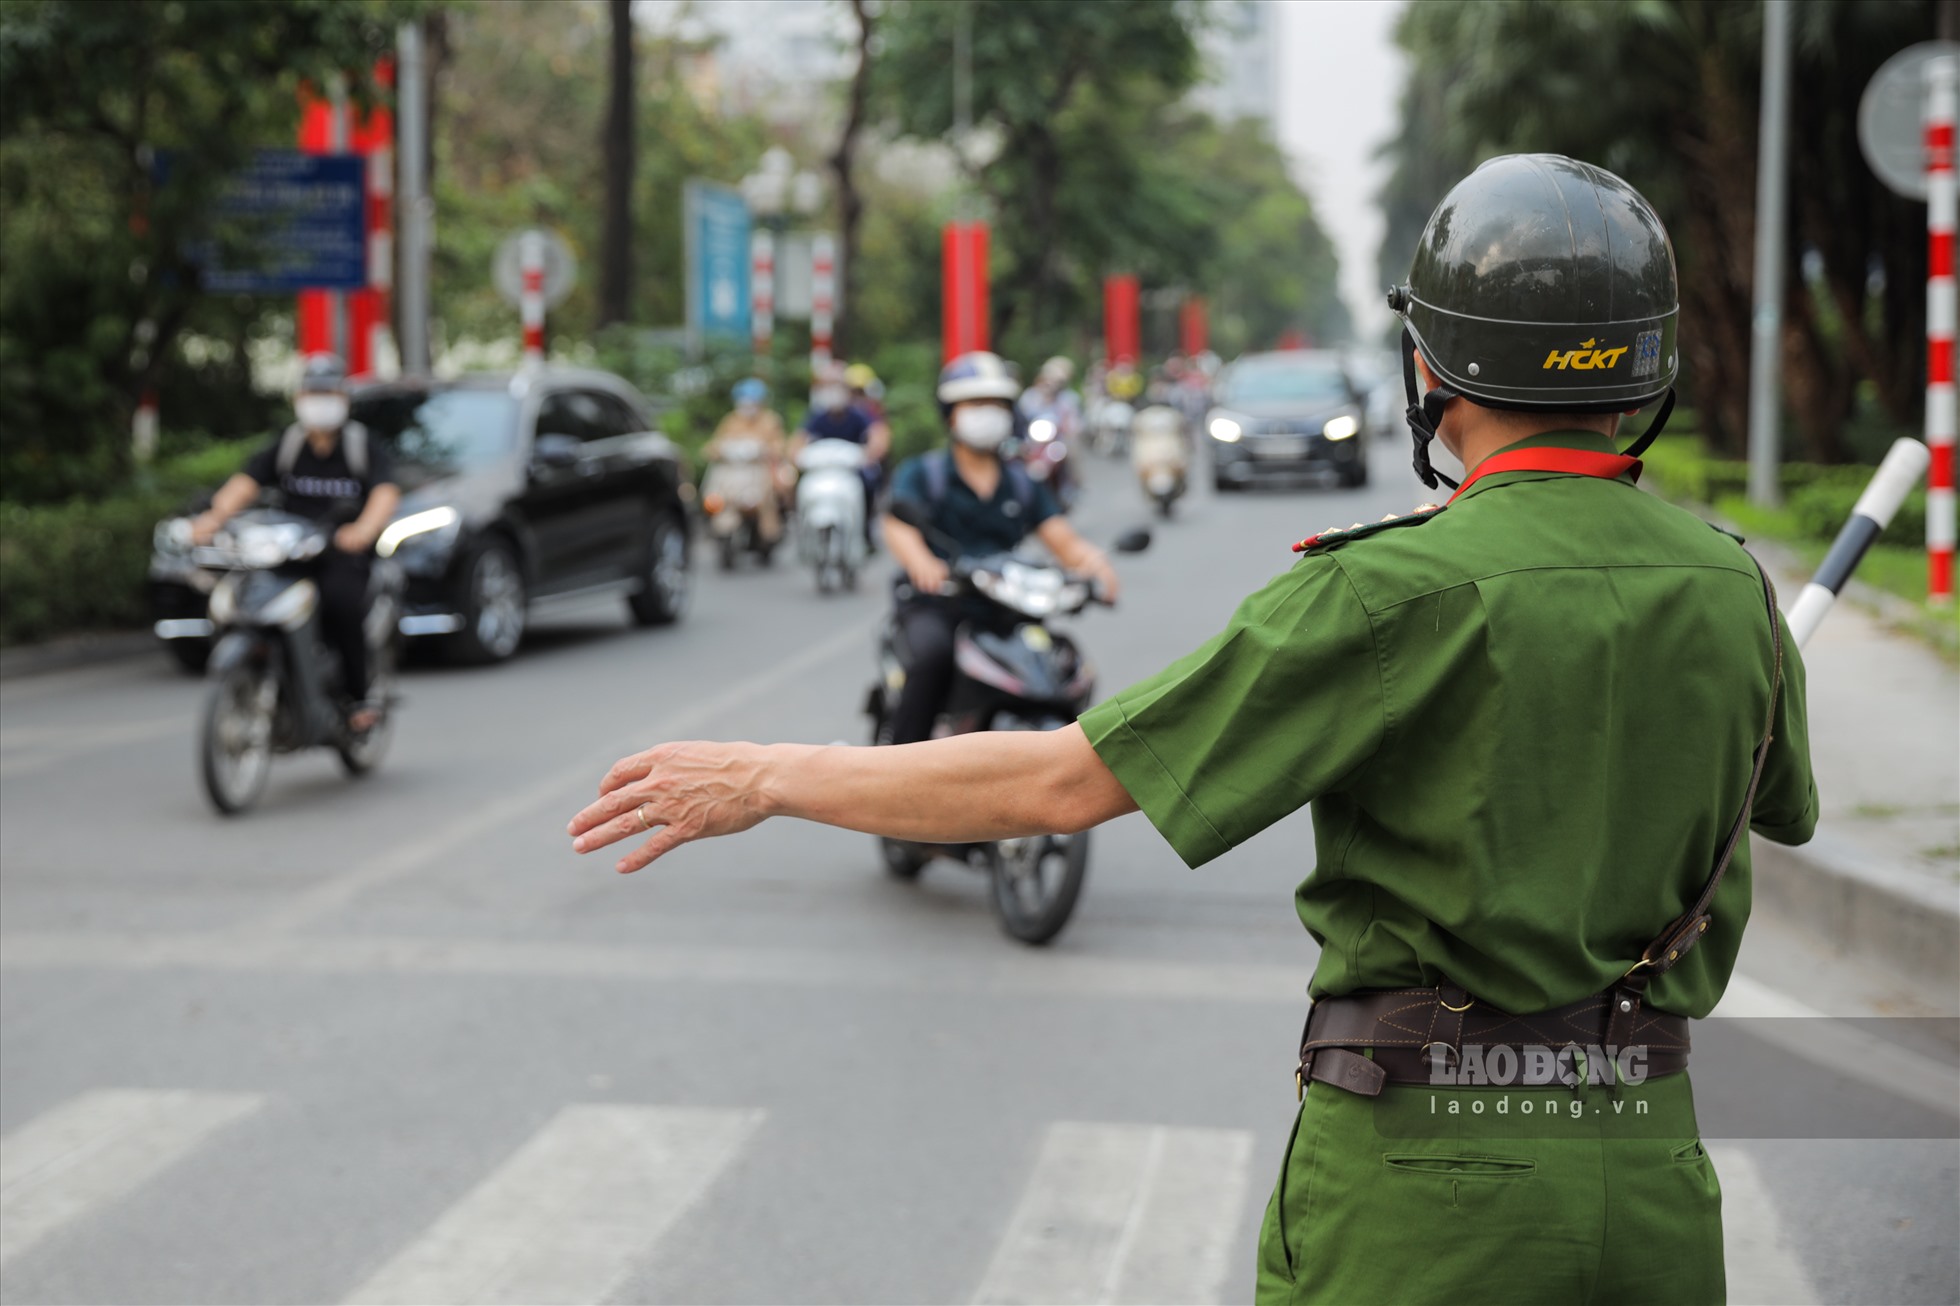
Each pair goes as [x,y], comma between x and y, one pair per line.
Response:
[1902,922]
[74,651]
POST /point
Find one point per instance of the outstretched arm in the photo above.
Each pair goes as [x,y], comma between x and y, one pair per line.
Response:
[969,788]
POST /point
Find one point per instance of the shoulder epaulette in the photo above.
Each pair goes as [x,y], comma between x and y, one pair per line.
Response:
[1723,530]
[1342,534]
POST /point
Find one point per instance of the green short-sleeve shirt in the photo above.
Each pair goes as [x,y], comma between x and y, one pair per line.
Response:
[1524,724]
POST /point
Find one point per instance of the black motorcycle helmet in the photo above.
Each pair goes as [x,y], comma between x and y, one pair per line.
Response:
[1540,284]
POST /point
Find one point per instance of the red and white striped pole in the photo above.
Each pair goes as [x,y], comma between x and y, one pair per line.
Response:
[530,250]
[823,298]
[1940,312]
[371,308]
[762,289]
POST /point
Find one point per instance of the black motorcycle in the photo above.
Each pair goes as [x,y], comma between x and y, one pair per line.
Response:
[1012,673]
[274,681]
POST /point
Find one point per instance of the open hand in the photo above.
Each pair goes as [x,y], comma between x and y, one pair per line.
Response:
[676,793]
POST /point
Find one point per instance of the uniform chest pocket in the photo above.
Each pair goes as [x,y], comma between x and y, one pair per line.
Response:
[1459,1167]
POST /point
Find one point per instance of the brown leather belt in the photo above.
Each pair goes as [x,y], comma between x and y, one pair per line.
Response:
[1444,1038]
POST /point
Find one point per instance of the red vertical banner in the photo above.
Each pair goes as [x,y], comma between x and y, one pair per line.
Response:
[331,126]
[964,308]
[314,312]
[1194,328]
[1122,319]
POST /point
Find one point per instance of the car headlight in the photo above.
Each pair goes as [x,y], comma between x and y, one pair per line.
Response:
[1226,429]
[1341,428]
[440,524]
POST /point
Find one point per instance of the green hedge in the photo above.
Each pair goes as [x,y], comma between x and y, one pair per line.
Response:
[1819,497]
[81,565]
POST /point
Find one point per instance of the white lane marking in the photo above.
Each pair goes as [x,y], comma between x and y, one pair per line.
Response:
[1762,1265]
[1124,1213]
[1842,1043]
[1080,977]
[96,1148]
[572,1212]
[330,895]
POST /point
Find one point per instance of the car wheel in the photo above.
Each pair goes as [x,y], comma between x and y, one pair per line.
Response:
[665,588]
[495,605]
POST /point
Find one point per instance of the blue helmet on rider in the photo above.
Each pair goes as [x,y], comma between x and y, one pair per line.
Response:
[978,375]
[750,390]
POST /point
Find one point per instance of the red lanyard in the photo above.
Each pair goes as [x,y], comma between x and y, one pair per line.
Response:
[1584,462]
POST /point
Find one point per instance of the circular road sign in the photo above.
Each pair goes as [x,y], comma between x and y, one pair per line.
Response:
[1891,117]
[560,269]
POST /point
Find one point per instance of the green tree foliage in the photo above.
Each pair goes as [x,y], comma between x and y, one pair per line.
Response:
[1664,92]
[1101,166]
[97,300]
[522,96]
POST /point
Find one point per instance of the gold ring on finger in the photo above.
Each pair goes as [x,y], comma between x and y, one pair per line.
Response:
[641,812]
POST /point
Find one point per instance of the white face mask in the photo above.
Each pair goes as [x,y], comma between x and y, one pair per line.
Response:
[748,408]
[321,412]
[984,428]
[831,398]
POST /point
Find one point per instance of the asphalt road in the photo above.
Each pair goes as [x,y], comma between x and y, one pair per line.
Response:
[388,1040]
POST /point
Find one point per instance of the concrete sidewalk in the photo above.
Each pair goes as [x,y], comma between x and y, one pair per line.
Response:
[1881,881]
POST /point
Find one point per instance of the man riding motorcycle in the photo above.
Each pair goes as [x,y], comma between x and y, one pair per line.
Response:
[328,469]
[974,504]
[833,416]
[1051,397]
[750,420]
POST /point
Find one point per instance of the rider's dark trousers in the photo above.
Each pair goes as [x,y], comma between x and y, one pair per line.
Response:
[926,629]
[343,581]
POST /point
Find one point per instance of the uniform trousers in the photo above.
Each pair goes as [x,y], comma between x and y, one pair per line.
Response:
[343,581]
[1423,1195]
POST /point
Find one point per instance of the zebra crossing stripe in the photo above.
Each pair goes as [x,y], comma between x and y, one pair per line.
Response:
[1762,1265]
[572,1212]
[1124,1213]
[96,1148]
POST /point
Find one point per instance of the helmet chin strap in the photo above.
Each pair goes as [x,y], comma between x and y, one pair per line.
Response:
[1425,410]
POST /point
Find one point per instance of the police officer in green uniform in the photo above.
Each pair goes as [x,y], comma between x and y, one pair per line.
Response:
[1534,725]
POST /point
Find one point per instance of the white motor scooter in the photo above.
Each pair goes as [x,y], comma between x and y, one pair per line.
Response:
[1160,454]
[830,512]
[1111,426]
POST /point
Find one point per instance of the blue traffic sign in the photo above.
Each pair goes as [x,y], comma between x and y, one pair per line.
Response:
[717,229]
[288,222]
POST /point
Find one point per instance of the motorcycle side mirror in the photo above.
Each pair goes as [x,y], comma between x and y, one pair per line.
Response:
[1135,541]
[555,451]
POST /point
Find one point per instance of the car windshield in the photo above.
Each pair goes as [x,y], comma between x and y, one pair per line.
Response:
[1283,382]
[433,435]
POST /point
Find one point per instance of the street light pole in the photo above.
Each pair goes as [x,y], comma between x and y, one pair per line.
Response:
[1772,184]
[412,138]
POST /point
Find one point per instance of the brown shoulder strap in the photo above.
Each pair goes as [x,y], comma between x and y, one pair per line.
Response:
[1686,930]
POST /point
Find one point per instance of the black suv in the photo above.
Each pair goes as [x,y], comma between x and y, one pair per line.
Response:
[517,489]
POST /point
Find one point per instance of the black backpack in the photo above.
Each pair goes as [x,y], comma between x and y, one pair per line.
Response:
[353,438]
[939,479]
